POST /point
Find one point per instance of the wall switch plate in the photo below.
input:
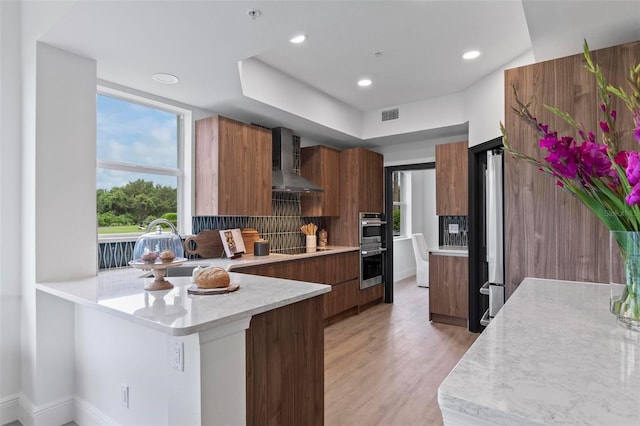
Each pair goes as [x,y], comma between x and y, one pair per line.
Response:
[124,395]
[177,355]
[453,228]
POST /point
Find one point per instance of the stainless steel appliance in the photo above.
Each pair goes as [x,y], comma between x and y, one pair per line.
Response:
[372,249]
[494,286]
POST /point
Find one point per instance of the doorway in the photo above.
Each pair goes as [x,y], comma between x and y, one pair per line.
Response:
[390,172]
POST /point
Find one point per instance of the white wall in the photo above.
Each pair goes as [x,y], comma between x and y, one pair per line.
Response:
[423,220]
[10,212]
[484,103]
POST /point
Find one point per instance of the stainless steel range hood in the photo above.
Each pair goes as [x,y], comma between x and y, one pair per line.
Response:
[284,179]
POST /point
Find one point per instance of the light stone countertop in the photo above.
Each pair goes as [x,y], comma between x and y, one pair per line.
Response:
[460,251]
[553,355]
[120,292]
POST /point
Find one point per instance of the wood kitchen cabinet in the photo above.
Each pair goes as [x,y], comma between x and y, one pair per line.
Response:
[232,168]
[362,190]
[340,270]
[451,179]
[285,366]
[448,289]
[321,165]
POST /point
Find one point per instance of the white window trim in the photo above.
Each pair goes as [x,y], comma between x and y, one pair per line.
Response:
[184,170]
[405,206]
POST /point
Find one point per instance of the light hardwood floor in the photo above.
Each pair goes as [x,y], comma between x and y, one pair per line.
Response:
[384,366]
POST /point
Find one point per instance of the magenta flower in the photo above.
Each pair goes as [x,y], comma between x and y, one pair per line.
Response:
[595,160]
[633,168]
[622,159]
[636,134]
[633,197]
[604,126]
[614,114]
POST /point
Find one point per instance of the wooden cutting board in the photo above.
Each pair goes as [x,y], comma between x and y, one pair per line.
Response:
[249,236]
[207,244]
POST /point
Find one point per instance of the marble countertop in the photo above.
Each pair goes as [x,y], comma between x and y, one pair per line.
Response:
[251,260]
[461,251]
[121,293]
[553,355]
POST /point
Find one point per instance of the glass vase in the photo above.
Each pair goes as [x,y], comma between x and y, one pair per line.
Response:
[624,278]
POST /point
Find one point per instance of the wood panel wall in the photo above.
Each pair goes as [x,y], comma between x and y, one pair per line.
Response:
[549,233]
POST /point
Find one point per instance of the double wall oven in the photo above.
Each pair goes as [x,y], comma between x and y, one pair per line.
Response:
[372,249]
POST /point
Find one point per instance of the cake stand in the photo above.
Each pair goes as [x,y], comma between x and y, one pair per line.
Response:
[159,270]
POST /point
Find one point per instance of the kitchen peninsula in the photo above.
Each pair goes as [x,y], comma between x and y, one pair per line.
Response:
[168,357]
[553,355]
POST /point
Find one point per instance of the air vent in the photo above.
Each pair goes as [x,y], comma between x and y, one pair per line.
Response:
[390,114]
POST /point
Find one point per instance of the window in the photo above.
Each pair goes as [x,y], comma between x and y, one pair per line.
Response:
[401,204]
[139,164]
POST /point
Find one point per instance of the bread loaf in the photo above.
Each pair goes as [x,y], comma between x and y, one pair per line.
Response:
[212,277]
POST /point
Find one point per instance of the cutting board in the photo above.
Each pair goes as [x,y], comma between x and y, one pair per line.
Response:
[249,236]
[207,244]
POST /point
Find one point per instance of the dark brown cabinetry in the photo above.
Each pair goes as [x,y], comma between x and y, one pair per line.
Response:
[451,179]
[340,270]
[232,168]
[321,165]
[285,365]
[362,190]
[448,289]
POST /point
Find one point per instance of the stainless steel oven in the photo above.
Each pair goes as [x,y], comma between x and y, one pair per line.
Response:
[372,249]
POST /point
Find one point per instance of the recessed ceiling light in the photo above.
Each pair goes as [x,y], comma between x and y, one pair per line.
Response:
[471,54]
[298,39]
[364,82]
[165,78]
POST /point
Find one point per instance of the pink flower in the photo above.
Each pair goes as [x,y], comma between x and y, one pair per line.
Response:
[622,159]
[604,126]
[633,168]
[636,134]
[614,115]
[633,197]
[595,160]
[560,184]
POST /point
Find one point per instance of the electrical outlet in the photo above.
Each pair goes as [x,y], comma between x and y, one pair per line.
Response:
[177,355]
[124,395]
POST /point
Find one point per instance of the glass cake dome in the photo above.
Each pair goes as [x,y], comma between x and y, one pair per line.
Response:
[158,245]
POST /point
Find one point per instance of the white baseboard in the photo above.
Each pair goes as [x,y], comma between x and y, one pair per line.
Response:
[54,413]
[401,275]
[87,414]
[9,408]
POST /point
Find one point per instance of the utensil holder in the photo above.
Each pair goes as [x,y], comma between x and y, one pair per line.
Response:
[311,242]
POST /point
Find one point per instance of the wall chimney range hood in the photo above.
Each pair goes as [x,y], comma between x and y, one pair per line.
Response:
[284,179]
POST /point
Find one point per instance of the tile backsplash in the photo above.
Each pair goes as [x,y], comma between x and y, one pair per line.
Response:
[446,238]
[282,229]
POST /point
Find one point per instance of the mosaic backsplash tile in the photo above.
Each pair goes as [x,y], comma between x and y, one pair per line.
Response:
[445,238]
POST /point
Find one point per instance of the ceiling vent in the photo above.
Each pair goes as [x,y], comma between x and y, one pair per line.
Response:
[390,114]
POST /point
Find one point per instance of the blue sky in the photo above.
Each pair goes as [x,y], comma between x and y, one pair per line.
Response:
[133,133]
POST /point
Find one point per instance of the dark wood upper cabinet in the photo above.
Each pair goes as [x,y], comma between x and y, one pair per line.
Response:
[361,190]
[232,168]
[321,165]
[451,179]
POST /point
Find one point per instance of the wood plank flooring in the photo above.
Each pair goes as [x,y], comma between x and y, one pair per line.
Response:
[384,366]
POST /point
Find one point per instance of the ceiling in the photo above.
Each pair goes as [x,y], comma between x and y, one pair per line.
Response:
[419,46]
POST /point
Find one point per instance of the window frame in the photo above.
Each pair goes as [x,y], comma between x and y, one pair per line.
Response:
[404,204]
[182,171]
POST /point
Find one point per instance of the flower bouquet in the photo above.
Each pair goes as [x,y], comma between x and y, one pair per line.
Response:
[603,177]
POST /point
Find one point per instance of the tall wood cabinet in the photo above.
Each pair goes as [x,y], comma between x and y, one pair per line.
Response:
[451,179]
[548,232]
[232,168]
[321,165]
[449,289]
[361,190]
